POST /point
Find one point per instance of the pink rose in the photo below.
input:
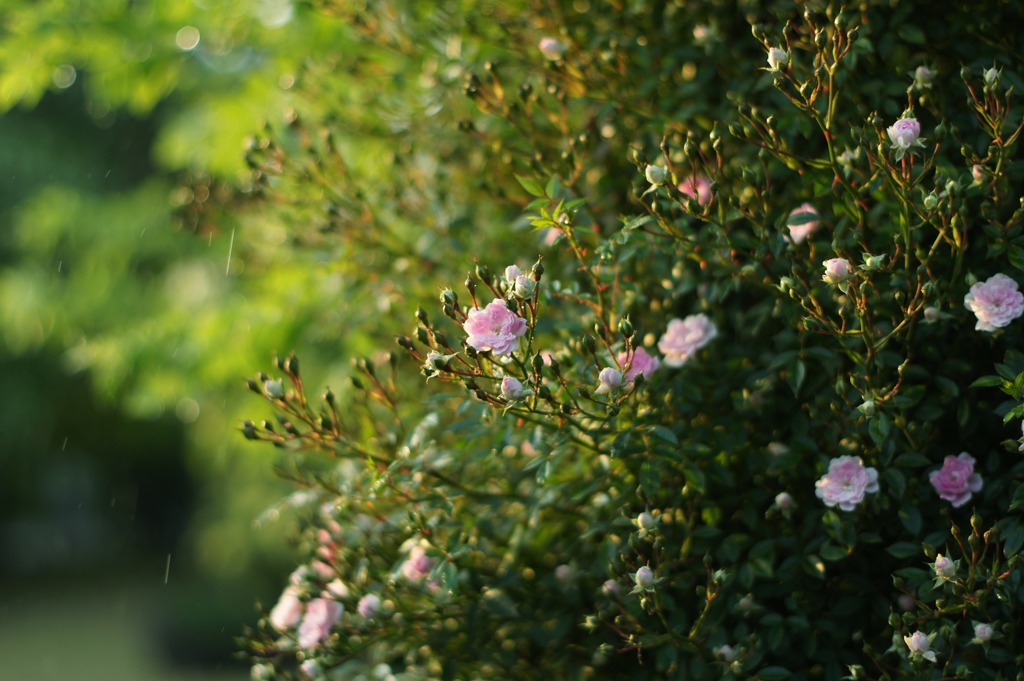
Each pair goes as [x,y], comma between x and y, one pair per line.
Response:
[684,337]
[956,481]
[846,483]
[643,363]
[802,221]
[995,302]
[904,133]
[321,614]
[495,328]
[288,609]
[696,187]
[417,565]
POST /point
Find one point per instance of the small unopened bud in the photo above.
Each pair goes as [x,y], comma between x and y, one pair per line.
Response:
[992,76]
[610,381]
[537,361]
[626,327]
[644,577]
[274,389]
[867,408]
[524,286]
[421,316]
[931,201]
[945,569]
[931,314]
[553,49]
[646,521]
[537,271]
[655,175]
[511,388]
[448,297]
[837,270]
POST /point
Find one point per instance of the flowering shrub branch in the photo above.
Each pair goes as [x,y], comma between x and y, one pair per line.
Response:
[737,402]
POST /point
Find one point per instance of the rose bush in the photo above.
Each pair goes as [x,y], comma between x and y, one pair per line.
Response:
[777,496]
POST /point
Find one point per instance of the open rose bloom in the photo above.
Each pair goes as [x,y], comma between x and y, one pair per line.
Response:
[495,328]
[956,481]
[684,337]
[846,482]
[321,614]
[643,363]
[995,302]
[697,187]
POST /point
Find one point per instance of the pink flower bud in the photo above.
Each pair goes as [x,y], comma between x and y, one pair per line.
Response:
[610,380]
[837,270]
[904,133]
[920,646]
[511,388]
[644,577]
[552,48]
[944,567]
[368,606]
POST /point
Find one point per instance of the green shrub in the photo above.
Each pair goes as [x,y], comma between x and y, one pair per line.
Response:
[814,226]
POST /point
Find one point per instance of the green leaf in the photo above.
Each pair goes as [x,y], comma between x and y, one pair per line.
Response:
[553,187]
[1018,498]
[879,428]
[911,518]
[665,434]
[1016,255]
[694,478]
[774,673]
[649,478]
[831,552]
[796,376]
[904,549]
[895,482]
[912,460]
[910,33]
[532,188]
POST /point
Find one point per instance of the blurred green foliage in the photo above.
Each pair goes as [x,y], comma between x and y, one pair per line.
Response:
[234,179]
